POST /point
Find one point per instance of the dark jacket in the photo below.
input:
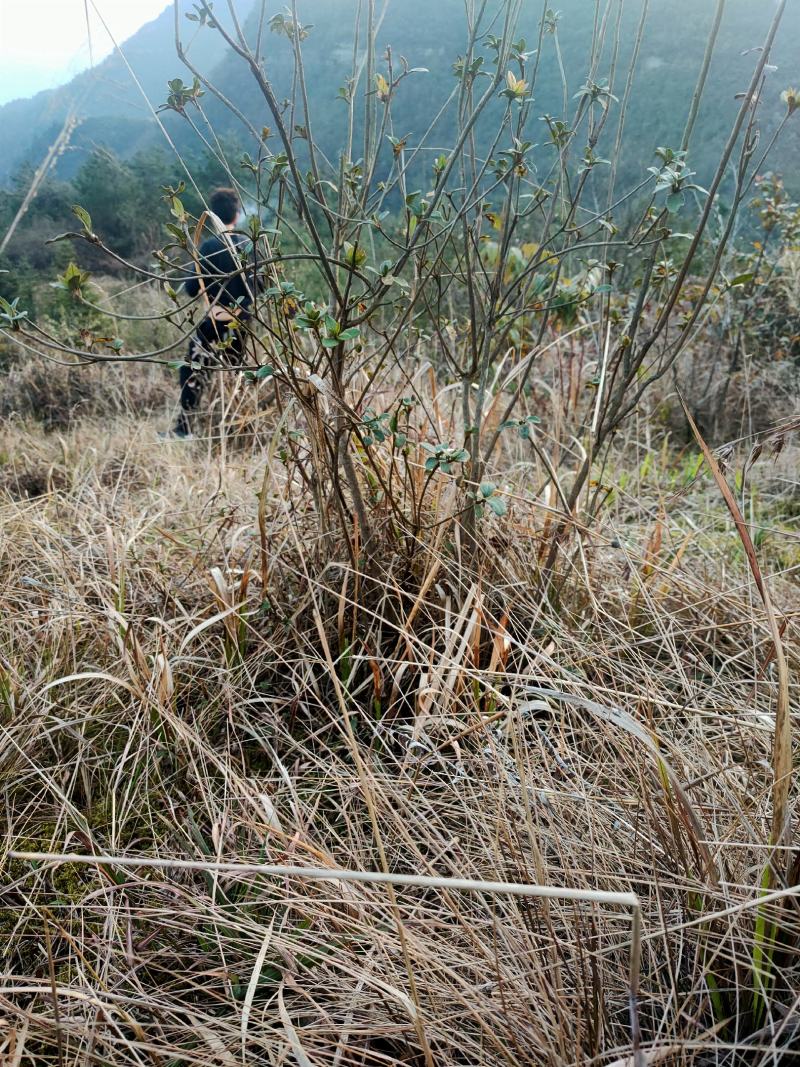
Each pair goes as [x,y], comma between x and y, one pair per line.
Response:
[221,274]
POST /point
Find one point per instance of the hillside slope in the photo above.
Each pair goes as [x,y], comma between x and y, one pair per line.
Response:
[433,36]
[115,114]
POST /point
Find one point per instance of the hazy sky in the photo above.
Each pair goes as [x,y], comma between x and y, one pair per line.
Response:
[43,43]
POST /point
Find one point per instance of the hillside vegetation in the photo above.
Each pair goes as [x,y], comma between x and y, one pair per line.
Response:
[178,677]
[113,112]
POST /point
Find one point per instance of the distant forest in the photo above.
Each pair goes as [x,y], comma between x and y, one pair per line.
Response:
[118,159]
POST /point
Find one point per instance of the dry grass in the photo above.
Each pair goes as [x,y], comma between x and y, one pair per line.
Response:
[177,683]
[57,392]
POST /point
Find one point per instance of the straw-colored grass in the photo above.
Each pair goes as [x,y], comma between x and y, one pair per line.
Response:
[179,681]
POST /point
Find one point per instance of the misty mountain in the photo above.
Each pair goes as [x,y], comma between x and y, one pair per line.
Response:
[432,35]
[114,113]
[111,109]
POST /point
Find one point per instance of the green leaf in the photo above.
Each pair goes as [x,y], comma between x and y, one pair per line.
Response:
[84,216]
[487,488]
[498,505]
[330,342]
[73,278]
[354,255]
[742,279]
[349,334]
[675,202]
[264,372]
[176,232]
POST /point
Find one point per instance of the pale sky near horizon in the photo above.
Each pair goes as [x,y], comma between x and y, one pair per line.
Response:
[44,43]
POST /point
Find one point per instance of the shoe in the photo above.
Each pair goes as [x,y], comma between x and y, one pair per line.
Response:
[177,433]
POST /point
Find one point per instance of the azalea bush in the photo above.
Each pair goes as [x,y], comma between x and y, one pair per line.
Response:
[479,259]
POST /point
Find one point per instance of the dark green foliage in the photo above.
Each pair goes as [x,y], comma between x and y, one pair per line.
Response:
[430,36]
[112,192]
[123,202]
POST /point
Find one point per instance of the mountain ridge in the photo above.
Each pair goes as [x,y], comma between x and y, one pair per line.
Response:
[113,114]
[107,102]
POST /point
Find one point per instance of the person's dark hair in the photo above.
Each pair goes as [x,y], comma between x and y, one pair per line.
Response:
[225,203]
